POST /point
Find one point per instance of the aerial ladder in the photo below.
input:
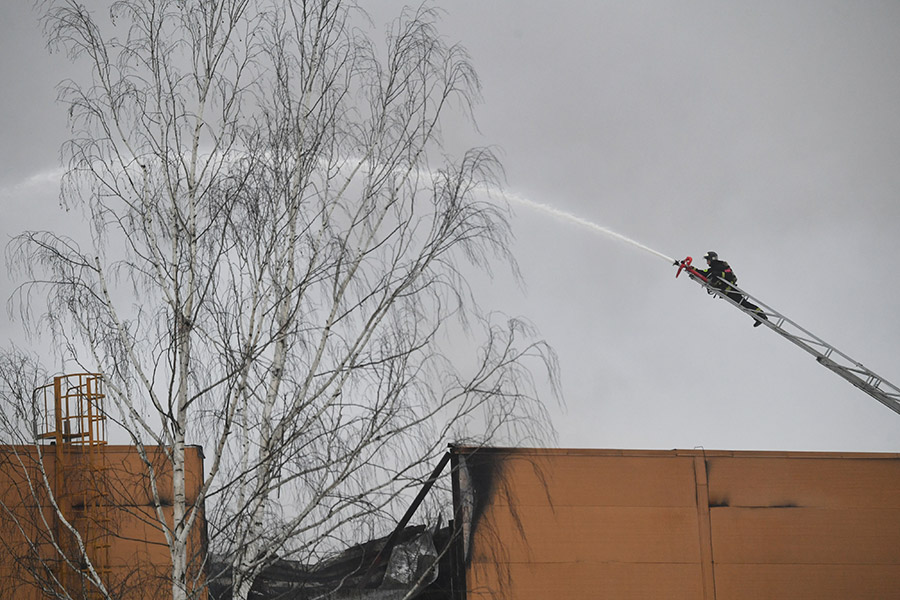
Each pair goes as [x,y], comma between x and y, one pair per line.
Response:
[825,354]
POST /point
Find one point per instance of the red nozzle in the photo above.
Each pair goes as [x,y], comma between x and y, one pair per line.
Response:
[685,263]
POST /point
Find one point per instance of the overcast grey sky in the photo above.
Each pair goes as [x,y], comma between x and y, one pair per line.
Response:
[768,131]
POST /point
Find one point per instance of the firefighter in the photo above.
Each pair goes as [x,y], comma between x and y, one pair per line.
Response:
[720,276]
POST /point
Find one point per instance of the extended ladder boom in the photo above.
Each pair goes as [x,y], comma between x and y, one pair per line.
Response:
[826,354]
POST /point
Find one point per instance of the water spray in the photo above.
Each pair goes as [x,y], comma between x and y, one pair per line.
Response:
[826,355]
[561,214]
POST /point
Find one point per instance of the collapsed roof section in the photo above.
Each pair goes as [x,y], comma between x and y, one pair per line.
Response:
[413,567]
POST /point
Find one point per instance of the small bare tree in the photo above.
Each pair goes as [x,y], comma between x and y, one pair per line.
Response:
[277,268]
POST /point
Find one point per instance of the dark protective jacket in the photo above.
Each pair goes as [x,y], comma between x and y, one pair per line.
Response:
[719,269]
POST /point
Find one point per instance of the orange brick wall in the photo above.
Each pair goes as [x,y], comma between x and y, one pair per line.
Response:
[600,524]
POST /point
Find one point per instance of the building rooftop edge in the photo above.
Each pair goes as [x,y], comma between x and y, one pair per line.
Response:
[674,453]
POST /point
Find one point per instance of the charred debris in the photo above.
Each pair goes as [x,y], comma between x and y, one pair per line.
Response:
[418,565]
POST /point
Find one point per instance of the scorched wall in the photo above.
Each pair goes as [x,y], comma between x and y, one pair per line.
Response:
[681,525]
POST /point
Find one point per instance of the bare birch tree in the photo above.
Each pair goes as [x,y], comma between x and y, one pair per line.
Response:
[278,263]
